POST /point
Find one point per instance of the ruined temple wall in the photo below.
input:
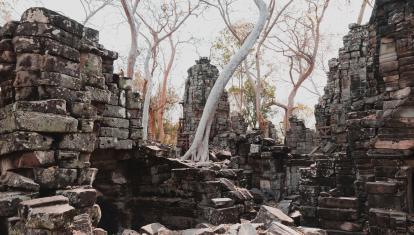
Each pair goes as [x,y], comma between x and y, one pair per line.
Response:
[60,101]
[364,120]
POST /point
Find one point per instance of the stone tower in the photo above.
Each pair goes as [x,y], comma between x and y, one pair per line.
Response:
[200,81]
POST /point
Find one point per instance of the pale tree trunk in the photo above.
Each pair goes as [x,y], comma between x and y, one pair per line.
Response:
[198,150]
[163,99]
[133,28]
[148,89]
[362,11]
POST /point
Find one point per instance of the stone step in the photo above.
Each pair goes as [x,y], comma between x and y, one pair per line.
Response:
[338,214]
[381,187]
[28,205]
[52,217]
[338,202]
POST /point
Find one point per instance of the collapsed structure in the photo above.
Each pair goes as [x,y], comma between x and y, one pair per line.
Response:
[72,160]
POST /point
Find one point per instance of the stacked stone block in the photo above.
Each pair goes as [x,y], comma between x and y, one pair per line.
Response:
[299,139]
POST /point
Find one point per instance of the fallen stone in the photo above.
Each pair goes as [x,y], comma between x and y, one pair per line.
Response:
[312,231]
[247,229]
[277,228]
[152,229]
[16,181]
[99,231]
[82,223]
[222,202]
[269,214]
[129,232]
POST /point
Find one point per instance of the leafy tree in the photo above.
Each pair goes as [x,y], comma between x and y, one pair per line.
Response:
[244,96]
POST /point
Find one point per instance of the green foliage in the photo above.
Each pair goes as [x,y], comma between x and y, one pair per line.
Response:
[246,96]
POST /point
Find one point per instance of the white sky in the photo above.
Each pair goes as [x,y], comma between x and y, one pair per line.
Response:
[114,35]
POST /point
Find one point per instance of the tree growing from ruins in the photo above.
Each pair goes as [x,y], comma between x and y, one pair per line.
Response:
[199,149]
[299,42]
[253,70]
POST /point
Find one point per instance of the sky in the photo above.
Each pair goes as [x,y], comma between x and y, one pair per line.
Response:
[114,35]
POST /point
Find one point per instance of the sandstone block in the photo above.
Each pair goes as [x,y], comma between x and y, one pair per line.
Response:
[43,15]
[9,201]
[23,141]
[43,45]
[114,122]
[84,142]
[114,132]
[50,217]
[269,214]
[114,111]
[99,95]
[80,197]
[84,110]
[16,181]
[54,177]
[38,122]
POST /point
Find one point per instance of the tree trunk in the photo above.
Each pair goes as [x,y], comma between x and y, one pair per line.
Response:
[163,99]
[147,97]
[133,51]
[198,150]
[362,11]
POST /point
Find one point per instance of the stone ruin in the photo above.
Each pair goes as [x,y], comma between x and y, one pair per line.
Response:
[361,179]
[72,160]
[71,156]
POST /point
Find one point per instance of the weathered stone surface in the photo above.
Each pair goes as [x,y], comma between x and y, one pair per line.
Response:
[222,202]
[114,111]
[20,141]
[83,110]
[38,122]
[114,132]
[80,197]
[338,202]
[9,202]
[54,177]
[50,217]
[54,106]
[99,95]
[269,214]
[277,228]
[153,229]
[28,160]
[84,142]
[115,122]
[43,15]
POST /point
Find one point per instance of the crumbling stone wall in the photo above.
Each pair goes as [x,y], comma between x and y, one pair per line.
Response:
[299,138]
[60,101]
[364,124]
